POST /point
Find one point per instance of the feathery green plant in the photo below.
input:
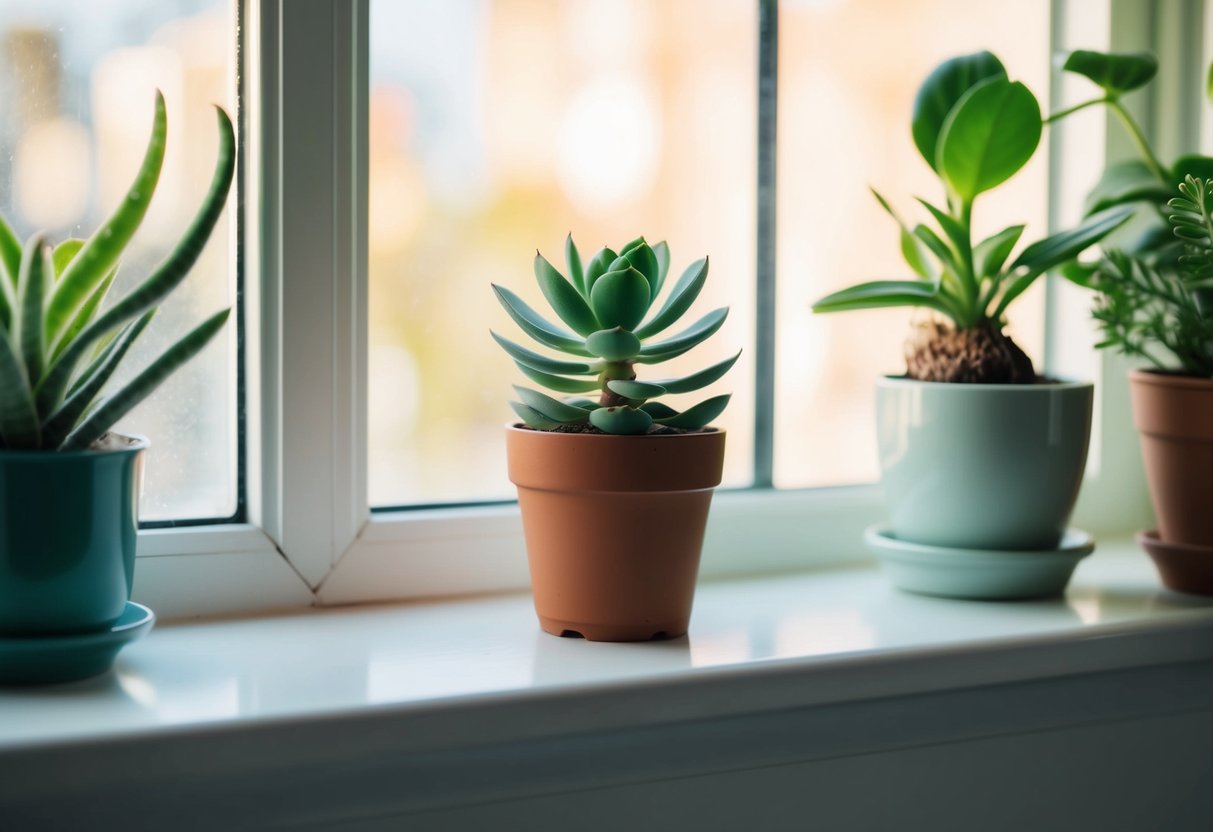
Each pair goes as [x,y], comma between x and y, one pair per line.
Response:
[976,128]
[606,303]
[60,342]
[1141,306]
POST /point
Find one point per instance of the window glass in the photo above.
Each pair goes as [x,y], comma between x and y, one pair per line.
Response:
[77,83]
[848,72]
[498,126]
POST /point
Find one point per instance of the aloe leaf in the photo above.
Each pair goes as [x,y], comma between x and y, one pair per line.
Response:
[560,384]
[64,253]
[10,255]
[940,92]
[1115,72]
[18,418]
[638,390]
[1125,182]
[544,364]
[694,418]
[103,249]
[114,407]
[167,276]
[881,293]
[86,312]
[691,337]
[533,418]
[536,326]
[990,134]
[616,344]
[699,380]
[553,409]
[644,260]
[620,298]
[566,302]
[684,293]
[597,267]
[993,251]
[572,257]
[31,292]
[621,421]
[56,428]
[662,252]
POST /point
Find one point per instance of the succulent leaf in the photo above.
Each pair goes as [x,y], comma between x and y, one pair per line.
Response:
[18,418]
[565,300]
[620,298]
[684,293]
[616,344]
[572,257]
[699,380]
[662,252]
[597,267]
[544,364]
[120,403]
[549,408]
[561,384]
[536,326]
[86,313]
[658,410]
[10,256]
[35,273]
[697,417]
[88,268]
[64,253]
[533,418]
[638,390]
[621,421]
[691,337]
[167,276]
[644,261]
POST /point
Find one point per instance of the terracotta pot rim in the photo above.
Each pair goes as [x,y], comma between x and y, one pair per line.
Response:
[1168,378]
[137,443]
[962,388]
[1152,537]
[516,427]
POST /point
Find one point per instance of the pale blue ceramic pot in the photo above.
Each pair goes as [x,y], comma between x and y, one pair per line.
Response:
[986,466]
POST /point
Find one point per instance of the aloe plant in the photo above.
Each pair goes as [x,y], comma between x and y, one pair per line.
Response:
[976,129]
[608,304]
[61,338]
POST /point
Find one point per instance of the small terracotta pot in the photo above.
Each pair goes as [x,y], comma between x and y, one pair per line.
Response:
[1174,414]
[614,526]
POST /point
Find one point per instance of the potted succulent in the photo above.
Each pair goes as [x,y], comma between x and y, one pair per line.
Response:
[1154,302]
[615,489]
[68,486]
[981,458]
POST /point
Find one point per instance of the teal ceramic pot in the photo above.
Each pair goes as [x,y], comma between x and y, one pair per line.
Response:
[986,466]
[68,526]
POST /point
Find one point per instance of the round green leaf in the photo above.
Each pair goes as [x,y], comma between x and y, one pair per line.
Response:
[990,134]
[1116,72]
[613,344]
[620,299]
[636,389]
[621,420]
[938,95]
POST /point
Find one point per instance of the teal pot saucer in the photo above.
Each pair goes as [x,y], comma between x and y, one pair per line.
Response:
[978,574]
[44,660]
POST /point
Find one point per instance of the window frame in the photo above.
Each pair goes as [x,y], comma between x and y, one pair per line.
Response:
[311,537]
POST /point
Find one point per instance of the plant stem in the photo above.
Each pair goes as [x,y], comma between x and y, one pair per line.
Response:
[614,371]
[972,289]
[1068,110]
[1139,139]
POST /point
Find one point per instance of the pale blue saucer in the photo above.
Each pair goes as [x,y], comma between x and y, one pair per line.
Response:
[979,574]
[44,660]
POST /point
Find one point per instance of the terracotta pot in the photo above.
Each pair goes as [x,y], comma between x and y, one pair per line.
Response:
[614,527]
[1174,414]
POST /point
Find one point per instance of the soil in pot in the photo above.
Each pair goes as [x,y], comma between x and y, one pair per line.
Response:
[982,354]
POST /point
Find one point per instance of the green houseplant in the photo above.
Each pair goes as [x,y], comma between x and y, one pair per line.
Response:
[68,487]
[614,490]
[977,451]
[1154,302]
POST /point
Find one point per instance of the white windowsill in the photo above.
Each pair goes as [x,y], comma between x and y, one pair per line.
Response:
[445,668]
